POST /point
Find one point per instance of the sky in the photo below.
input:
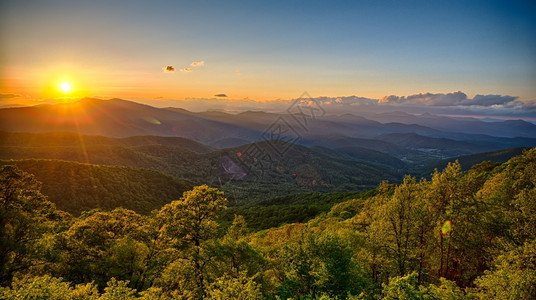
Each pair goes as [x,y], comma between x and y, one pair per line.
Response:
[270,50]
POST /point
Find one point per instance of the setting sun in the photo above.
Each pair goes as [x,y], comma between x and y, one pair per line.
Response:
[65,87]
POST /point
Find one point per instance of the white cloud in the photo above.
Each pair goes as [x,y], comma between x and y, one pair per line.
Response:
[187,70]
[197,63]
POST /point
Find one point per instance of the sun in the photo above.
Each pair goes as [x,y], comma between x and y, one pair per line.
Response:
[66,87]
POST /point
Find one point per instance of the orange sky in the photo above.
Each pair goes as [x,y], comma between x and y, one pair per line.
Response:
[265,51]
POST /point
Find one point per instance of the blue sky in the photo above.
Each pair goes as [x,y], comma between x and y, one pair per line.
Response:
[266,50]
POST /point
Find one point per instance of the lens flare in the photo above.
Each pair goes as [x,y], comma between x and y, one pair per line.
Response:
[447,227]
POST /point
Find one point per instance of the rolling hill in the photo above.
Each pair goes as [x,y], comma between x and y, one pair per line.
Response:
[76,187]
[252,155]
[116,118]
[245,175]
[120,119]
[467,161]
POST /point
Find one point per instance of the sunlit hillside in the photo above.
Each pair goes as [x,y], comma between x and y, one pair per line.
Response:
[272,150]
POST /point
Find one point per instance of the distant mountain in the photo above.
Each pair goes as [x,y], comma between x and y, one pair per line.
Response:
[467,161]
[335,141]
[70,139]
[229,143]
[117,118]
[411,138]
[442,146]
[363,154]
[509,128]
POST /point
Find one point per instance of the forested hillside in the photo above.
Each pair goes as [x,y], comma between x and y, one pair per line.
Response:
[466,161]
[76,187]
[300,169]
[460,235]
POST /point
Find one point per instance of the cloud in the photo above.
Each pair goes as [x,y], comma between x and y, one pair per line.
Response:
[530,104]
[8,96]
[220,95]
[168,69]
[450,99]
[197,63]
[490,100]
[347,101]
[187,70]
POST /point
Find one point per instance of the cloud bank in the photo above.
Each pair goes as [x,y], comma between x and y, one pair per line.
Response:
[456,103]
[451,99]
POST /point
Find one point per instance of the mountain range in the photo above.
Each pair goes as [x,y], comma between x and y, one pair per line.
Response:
[121,118]
[253,155]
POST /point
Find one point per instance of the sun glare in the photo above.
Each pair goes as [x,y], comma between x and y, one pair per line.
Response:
[65,87]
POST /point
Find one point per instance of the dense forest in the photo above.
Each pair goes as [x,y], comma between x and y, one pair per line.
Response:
[458,235]
[75,187]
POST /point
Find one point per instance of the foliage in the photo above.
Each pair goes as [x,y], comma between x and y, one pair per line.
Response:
[300,207]
[459,235]
[404,288]
[447,290]
[47,287]
[513,275]
[118,290]
[76,187]
[189,222]
[229,287]
[25,214]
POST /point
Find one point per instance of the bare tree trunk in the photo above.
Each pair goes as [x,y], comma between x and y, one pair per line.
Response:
[447,260]
[440,256]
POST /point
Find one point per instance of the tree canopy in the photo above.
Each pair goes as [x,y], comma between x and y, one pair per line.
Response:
[458,235]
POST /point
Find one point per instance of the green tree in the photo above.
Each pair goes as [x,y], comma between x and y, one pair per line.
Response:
[232,254]
[102,245]
[47,287]
[118,290]
[25,214]
[176,281]
[368,224]
[189,222]
[393,224]
[404,288]
[446,290]
[441,192]
[238,228]
[321,264]
[230,287]
[334,270]
[513,275]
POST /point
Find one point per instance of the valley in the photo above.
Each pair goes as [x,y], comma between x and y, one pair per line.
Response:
[253,157]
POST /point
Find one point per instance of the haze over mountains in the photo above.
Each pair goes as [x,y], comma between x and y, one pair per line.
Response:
[255,155]
[386,132]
